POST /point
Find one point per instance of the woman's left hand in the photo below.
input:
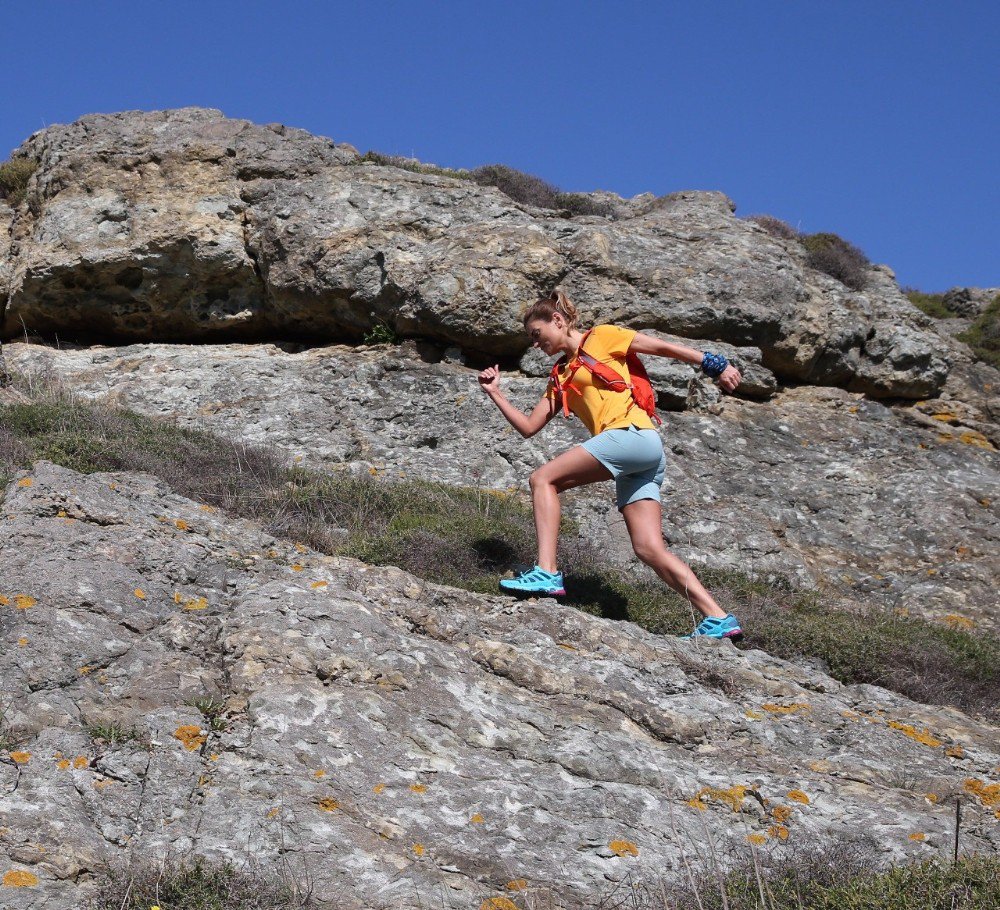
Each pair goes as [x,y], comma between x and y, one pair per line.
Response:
[730,379]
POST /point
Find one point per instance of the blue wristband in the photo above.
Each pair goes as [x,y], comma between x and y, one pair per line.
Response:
[713,365]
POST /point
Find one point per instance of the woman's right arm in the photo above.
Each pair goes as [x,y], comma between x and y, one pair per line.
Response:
[525,424]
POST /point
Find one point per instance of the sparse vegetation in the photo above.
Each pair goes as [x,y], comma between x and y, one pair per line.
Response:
[411,164]
[531,190]
[212,709]
[519,186]
[930,304]
[114,733]
[14,176]
[466,537]
[198,885]
[775,226]
[838,877]
[983,336]
[830,253]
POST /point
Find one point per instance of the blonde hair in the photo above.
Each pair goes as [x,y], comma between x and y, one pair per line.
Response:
[546,307]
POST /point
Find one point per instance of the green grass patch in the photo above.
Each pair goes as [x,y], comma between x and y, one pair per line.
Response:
[14,177]
[983,336]
[818,880]
[197,885]
[467,537]
[930,304]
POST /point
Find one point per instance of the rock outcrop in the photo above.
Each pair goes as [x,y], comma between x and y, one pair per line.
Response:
[177,681]
[188,226]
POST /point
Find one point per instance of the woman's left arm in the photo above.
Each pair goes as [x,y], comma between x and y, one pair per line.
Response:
[729,379]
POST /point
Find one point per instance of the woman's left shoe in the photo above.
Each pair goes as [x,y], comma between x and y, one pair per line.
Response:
[716,627]
[535,581]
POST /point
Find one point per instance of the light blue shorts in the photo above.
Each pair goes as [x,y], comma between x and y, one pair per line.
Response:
[635,459]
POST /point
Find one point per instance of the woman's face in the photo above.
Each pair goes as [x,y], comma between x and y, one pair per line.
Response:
[547,336]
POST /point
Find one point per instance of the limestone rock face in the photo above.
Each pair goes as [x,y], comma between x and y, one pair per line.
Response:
[187,226]
[890,506]
[392,738]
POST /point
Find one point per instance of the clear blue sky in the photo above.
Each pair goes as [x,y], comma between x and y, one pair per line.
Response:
[878,120]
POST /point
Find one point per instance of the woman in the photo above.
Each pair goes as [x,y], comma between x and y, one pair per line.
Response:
[623,445]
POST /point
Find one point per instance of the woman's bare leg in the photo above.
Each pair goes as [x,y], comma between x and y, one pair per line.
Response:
[643,519]
[571,469]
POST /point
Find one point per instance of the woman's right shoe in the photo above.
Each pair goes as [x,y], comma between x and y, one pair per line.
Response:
[535,581]
[716,627]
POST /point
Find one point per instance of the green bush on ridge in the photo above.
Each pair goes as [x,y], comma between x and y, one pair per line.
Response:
[14,176]
[983,336]
[466,537]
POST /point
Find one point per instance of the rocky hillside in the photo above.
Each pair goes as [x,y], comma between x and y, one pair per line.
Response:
[174,680]
[182,683]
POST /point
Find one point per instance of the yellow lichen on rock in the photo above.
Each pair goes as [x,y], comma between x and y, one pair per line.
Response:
[623,848]
[191,736]
[20,878]
[955,621]
[24,601]
[378,788]
[476,819]
[778,831]
[418,788]
[921,736]
[757,839]
[781,814]
[498,903]
[732,796]
[519,884]
[328,804]
[418,849]
[918,836]
[798,796]
[20,758]
[794,708]
[988,794]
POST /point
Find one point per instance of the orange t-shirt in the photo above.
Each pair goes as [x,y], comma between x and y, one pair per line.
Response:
[598,407]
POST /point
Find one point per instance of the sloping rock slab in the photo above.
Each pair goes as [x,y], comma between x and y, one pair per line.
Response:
[400,743]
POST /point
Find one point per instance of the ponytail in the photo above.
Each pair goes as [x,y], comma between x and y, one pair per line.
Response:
[546,307]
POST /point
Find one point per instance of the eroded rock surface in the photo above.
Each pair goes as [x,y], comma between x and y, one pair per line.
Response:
[185,225]
[407,743]
[891,506]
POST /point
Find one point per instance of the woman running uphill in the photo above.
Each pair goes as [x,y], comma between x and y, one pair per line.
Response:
[623,445]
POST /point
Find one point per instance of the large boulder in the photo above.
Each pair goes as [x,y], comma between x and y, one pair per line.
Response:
[188,226]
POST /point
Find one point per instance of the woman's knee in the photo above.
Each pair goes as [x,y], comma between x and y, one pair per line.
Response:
[649,551]
[539,478]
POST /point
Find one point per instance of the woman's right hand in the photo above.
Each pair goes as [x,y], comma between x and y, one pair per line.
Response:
[489,379]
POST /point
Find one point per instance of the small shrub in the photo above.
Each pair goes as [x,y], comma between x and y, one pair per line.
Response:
[932,305]
[531,190]
[983,336]
[410,164]
[14,177]
[774,226]
[839,259]
[381,333]
[198,885]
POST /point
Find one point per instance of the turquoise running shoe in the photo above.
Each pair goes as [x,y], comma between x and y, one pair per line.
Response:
[536,582]
[714,627]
